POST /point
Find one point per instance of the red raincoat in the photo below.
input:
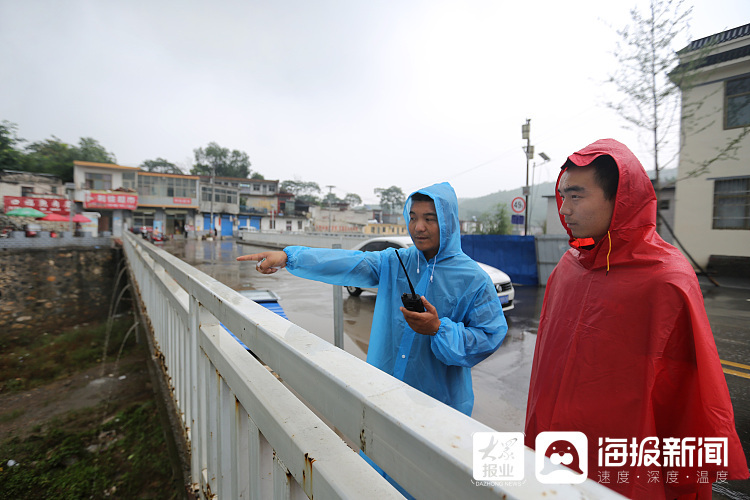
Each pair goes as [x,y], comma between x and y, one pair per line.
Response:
[625,349]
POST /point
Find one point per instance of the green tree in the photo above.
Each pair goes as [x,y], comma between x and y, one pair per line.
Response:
[353,199]
[330,199]
[391,199]
[645,54]
[497,221]
[221,161]
[257,175]
[161,165]
[90,150]
[10,156]
[51,156]
[303,191]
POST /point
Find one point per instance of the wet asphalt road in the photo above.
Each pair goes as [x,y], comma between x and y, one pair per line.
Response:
[501,382]
[728,309]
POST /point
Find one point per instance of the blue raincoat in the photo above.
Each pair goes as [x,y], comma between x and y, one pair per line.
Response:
[472,324]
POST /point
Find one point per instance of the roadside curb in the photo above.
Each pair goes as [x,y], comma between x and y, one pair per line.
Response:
[726,282]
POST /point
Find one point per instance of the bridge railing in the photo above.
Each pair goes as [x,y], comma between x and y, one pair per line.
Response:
[286,418]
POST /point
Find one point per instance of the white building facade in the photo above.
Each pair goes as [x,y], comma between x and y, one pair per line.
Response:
[712,197]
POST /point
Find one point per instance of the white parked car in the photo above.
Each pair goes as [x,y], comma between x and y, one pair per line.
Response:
[504,287]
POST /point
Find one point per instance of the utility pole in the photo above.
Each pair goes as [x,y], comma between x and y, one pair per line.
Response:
[526,134]
[330,188]
[213,194]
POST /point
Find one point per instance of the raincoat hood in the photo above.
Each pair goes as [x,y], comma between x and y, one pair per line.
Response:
[472,324]
[446,207]
[634,214]
[624,348]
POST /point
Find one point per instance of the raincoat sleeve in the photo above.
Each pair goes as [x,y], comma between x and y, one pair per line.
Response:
[335,266]
[479,334]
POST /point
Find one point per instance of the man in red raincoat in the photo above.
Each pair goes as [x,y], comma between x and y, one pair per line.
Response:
[625,351]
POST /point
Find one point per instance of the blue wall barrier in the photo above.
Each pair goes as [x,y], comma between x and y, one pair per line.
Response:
[515,255]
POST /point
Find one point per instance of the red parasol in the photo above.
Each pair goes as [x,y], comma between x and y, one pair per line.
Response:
[55,218]
[81,218]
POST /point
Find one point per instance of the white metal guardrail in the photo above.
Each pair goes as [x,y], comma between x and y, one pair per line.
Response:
[284,239]
[250,436]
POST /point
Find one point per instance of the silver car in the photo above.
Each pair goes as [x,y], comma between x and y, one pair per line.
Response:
[504,287]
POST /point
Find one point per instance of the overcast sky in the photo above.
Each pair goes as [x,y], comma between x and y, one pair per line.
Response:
[351,93]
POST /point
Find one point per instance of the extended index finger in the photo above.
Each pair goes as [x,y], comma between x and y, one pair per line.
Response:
[253,256]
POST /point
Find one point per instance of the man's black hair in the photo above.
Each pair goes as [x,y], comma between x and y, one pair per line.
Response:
[607,175]
[421,197]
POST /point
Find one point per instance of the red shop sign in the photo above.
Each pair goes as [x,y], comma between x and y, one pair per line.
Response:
[111,201]
[59,206]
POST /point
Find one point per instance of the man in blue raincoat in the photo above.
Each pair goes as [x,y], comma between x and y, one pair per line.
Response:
[463,321]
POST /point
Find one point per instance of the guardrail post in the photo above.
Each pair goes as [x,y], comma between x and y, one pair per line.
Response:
[338,312]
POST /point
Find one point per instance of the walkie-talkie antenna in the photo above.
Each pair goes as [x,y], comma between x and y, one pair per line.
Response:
[413,303]
[413,293]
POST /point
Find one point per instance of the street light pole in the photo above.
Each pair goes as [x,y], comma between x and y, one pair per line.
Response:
[526,134]
[533,174]
[213,194]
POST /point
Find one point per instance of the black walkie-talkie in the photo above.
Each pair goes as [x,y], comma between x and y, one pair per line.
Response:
[412,302]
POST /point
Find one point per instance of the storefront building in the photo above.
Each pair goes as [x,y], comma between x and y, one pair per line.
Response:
[168,203]
[104,189]
[220,198]
[128,197]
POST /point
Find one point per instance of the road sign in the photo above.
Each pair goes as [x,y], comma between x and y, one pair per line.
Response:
[516,219]
[518,205]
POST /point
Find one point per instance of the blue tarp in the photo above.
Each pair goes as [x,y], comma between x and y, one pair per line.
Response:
[272,306]
[513,254]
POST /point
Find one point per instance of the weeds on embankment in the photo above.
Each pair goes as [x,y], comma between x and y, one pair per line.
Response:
[114,448]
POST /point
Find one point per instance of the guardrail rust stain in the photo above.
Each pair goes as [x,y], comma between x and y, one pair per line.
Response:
[307,476]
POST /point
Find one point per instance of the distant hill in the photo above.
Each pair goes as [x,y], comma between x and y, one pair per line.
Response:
[475,207]
[469,208]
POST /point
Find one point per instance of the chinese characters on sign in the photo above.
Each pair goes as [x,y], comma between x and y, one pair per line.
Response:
[182,201]
[111,201]
[59,206]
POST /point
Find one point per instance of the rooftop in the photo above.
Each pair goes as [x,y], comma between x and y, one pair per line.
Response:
[717,38]
[711,43]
